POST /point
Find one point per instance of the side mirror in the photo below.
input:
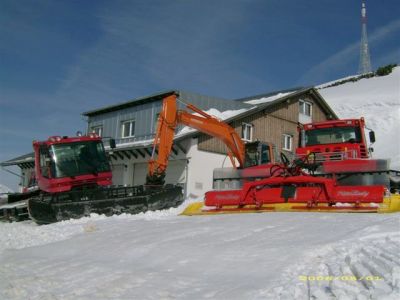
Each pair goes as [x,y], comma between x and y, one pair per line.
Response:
[372,136]
[112,144]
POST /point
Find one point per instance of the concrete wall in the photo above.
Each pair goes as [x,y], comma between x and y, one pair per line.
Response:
[194,171]
[201,166]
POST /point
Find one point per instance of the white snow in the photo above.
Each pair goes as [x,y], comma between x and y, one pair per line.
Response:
[224,114]
[160,255]
[221,115]
[268,99]
[377,99]
[326,84]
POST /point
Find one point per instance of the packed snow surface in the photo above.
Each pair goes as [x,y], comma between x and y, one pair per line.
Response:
[160,255]
[377,99]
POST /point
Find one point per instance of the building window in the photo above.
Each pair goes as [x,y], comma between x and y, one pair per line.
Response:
[287,143]
[305,108]
[128,129]
[97,130]
[247,132]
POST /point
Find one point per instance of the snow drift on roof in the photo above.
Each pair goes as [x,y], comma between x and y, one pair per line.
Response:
[268,99]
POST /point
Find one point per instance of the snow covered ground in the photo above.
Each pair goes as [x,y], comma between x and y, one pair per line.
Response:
[160,255]
[377,99]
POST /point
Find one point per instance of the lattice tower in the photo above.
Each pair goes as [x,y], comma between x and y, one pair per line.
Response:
[365,61]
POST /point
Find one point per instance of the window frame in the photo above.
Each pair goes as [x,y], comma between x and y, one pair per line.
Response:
[245,126]
[302,107]
[287,137]
[131,130]
[94,129]
[156,119]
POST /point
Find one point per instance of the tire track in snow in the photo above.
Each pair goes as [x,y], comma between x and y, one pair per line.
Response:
[366,268]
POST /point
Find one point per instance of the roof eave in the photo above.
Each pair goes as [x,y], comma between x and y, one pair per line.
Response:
[129,103]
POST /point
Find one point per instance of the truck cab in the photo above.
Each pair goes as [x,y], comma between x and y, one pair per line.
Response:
[259,157]
[63,163]
[334,140]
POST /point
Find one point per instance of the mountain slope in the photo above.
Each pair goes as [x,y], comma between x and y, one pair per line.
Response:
[377,99]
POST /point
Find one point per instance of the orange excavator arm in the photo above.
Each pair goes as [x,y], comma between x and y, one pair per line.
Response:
[170,117]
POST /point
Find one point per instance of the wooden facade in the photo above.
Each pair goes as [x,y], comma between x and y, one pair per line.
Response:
[271,122]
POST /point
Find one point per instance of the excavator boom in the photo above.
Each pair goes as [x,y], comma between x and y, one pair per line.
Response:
[170,117]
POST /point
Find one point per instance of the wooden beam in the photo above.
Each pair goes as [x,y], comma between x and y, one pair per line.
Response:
[147,151]
[126,154]
[112,156]
[140,152]
[181,148]
[133,153]
[119,155]
[174,150]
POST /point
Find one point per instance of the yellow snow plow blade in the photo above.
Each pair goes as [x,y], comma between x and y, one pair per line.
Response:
[389,205]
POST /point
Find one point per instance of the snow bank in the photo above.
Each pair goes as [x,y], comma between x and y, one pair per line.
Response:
[27,234]
[377,99]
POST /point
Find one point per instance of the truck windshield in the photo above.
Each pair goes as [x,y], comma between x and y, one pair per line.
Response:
[78,158]
[333,135]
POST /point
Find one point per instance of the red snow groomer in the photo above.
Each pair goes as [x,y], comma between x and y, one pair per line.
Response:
[74,180]
[340,148]
[332,172]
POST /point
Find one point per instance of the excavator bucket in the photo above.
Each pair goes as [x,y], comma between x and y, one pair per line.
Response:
[50,208]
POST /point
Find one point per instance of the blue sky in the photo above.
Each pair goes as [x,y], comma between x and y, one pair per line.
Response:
[61,58]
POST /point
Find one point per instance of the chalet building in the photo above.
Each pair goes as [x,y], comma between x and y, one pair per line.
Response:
[274,118]
[271,118]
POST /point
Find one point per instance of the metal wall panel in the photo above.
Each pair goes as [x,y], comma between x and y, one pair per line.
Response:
[144,115]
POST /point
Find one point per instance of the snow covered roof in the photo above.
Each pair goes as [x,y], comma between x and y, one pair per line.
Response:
[261,102]
[271,95]
[258,103]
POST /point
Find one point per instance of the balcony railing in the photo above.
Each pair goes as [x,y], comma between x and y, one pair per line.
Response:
[135,139]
